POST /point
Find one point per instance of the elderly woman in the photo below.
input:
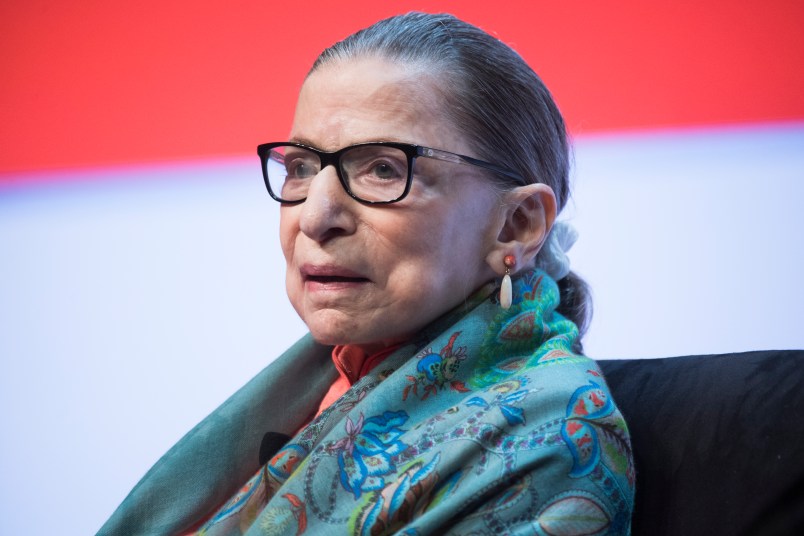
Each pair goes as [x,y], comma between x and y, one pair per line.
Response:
[425,168]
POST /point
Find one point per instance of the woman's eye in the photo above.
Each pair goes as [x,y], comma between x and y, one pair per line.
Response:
[383,170]
[300,169]
[377,165]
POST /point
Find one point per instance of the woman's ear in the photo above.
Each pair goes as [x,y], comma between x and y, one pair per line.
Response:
[527,215]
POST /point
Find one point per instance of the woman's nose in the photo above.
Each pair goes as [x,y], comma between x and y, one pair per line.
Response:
[326,212]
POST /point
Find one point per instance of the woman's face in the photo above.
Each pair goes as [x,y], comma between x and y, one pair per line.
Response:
[374,275]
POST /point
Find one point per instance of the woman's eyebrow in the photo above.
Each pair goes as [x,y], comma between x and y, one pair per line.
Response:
[302,140]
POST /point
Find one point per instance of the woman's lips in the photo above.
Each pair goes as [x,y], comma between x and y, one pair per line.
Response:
[329,277]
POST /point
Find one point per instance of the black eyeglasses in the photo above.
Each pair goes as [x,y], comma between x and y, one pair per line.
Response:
[372,173]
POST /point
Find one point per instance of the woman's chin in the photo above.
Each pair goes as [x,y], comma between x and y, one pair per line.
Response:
[330,332]
[328,336]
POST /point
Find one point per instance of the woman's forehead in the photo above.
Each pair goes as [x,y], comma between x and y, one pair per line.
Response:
[368,99]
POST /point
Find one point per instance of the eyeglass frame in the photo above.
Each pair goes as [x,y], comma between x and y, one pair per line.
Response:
[411,151]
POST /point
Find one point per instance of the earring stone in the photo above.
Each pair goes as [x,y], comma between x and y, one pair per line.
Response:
[506,288]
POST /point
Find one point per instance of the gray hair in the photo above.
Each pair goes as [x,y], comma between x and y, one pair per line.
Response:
[491,94]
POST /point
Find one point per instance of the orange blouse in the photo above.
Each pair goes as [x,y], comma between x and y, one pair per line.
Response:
[352,363]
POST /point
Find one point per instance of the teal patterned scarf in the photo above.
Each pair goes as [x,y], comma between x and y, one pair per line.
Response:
[486,423]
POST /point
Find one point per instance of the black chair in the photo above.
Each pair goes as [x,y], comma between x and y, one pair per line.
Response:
[718,442]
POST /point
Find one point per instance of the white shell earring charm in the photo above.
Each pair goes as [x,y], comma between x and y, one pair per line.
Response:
[506,292]
[506,289]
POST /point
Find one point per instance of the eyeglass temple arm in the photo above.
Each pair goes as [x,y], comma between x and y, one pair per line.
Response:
[273,154]
[462,159]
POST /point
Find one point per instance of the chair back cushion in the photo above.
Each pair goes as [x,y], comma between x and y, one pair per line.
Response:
[718,442]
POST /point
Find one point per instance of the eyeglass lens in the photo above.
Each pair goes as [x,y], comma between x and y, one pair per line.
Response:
[370,172]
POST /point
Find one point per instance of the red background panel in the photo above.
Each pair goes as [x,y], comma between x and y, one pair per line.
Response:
[98,82]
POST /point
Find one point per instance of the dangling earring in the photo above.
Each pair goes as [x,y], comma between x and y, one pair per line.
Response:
[506,291]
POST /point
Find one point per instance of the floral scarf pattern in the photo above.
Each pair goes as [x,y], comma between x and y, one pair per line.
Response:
[487,423]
